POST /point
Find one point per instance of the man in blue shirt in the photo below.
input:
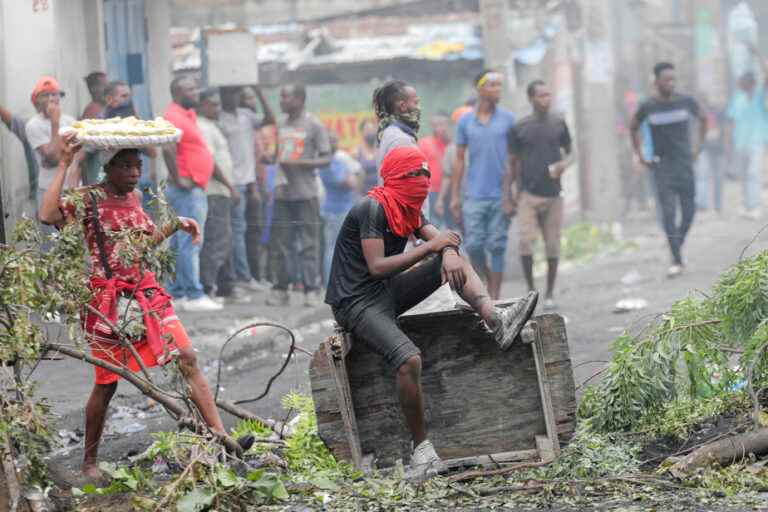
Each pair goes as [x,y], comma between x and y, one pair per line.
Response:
[341,182]
[746,138]
[486,193]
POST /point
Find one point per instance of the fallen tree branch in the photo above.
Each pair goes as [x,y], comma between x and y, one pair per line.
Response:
[174,409]
[476,473]
[724,452]
[751,387]
[594,375]
[687,450]
[244,414]
[172,488]
[534,485]
[11,478]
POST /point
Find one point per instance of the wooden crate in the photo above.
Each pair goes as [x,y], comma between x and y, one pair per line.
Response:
[479,401]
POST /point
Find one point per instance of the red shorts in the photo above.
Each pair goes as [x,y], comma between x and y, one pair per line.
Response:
[171,330]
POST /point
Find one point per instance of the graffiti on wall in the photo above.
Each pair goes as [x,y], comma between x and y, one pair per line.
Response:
[346,125]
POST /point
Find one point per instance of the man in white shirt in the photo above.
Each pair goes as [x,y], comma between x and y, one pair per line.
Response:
[43,133]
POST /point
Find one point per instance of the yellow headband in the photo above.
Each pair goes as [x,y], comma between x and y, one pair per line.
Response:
[491,75]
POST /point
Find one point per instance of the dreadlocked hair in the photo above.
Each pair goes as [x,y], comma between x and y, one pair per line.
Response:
[385,97]
[384,100]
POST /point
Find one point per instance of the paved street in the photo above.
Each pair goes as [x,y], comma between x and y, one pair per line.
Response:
[587,296]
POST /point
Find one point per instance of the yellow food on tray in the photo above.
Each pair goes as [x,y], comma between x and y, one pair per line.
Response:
[124,132]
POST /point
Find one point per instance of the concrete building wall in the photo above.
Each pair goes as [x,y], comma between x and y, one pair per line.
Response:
[27,37]
[61,38]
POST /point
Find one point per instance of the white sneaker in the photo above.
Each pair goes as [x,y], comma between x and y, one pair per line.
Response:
[512,319]
[674,271]
[204,303]
[425,463]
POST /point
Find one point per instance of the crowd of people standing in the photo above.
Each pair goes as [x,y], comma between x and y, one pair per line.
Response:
[272,194]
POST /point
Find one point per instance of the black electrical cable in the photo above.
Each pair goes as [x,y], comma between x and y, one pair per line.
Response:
[275,376]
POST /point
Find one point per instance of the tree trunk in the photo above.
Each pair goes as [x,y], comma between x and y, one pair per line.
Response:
[724,452]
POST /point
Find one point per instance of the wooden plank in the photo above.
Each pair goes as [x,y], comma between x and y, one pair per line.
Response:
[557,360]
[546,398]
[545,449]
[478,400]
[339,369]
[326,399]
[464,377]
[493,459]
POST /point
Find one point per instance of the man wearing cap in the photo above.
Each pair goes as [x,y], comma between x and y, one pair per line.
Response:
[373,280]
[43,130]
[484,200]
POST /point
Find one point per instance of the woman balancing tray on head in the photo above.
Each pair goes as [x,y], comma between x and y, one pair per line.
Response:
[109,211]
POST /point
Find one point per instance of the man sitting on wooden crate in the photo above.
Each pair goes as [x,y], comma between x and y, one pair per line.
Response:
[370,283]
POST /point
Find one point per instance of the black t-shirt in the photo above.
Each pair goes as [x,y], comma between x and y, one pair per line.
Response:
[670,123]
[537,142]
[350,282]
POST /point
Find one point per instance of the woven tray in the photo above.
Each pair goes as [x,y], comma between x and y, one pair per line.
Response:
[124,141]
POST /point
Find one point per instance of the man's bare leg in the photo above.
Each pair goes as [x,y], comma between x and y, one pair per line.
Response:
[95,416]
[494,284]
[552,264]
[477,295]
[479,298]
[199,391]
[527,263]
[411,398]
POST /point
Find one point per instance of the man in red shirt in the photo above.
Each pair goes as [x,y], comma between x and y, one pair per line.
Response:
[190,167]
[434,147]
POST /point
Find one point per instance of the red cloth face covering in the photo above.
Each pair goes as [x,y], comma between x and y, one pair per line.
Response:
[402,196]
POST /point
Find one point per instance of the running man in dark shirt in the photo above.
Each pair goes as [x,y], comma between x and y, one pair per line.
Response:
[541,152]
[669,116]
[373,281]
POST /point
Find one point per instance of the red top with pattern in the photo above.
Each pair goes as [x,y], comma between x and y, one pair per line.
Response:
[116,214]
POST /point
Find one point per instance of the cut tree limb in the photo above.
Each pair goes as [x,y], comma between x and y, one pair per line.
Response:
[476,473]
[151,391]
[244,414]
[11,478]
[724,452]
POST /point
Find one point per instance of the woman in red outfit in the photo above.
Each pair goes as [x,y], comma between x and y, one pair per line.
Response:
[118,207]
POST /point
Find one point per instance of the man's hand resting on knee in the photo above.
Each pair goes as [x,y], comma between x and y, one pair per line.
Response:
[453,269]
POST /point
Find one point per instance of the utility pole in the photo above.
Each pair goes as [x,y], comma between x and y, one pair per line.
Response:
[493,17]
[496,42]
[597,98]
